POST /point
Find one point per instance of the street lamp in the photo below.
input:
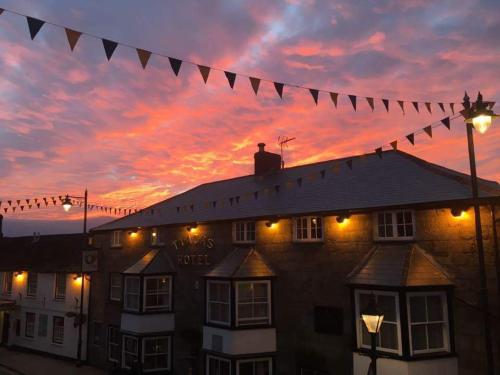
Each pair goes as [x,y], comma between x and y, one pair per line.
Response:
[67,204]
[373,317]
[479,116]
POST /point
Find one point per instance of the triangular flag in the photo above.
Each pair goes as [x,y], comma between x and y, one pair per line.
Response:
[334,96]
[415,105]
[279,88]
[411,138]
[402,105]
[10,203]
[299,181]
[109,47]
[441,105]
[394,145]
[5,209]
[446,122]
[255,84]
[428,105]
[205,71]
[22,208]
[379,152]
[14,209]
[1,10]
[18,202]
[315,95]
[231,78]
[349,163]
[175,64]
[38,205]
[73,37]
[353,101]
[386,104]
[452,107]
[143,57]
[428,130]
[34,25]
[371,103]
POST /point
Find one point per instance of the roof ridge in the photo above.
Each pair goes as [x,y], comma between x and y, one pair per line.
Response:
[435,263]
[362,262]
[252,249]
[407,263]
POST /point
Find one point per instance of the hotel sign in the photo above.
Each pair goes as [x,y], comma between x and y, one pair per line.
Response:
[193,249]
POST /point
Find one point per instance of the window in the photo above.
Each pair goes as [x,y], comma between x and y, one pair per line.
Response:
[29,327]
[156,353]
[218,302]
[116,238]
[113,344]
[428,322]
[60,286]
[389,337]
[132,293]
[32,284]
[395,225]
[254,367]
[115,287]
[7,283]
[58,330]
[253,302]
[157,237]
[97,338]
[130,351]
[157,293]
[218,366]
[244,231]
[42,325]
[308,228]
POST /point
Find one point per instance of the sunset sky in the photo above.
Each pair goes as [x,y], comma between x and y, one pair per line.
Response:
[71,120]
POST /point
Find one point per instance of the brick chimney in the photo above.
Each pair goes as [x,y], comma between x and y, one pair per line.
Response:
[266,162]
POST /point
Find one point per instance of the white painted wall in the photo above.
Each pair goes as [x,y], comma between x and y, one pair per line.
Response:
[244,341]
[45,303]
[147,323]
[386,366]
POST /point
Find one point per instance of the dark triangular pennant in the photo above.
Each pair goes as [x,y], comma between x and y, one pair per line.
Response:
[255,84]
[22,207]
[411,138]
[394,145]
[18,202]
[315,95]
[452,107]
[205,71]
[415,105]
[109,47]
[353,98]
[379,152]
[277,188]
[299,181]
[402,105]
[38,205]
[279,88]
[143,57]
[27,201]
[428,106]
[371,103]
[175,64]
[386,104]
[349,163]
[334,96]
[10,203]
[441,105]
[1,10]
[322,173]
[446,122]
[14,209]
[231,78]
[34,25]
[428,130]
[73,37]
[5,209]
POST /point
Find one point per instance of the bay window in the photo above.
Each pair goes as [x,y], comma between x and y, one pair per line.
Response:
[390,225]
[218,302]
[308,229]
[132,293]
[244,232]
[156,353]
[113,344]
[260,366]
[253,302]
[157,293]
[218,366]
[130,351]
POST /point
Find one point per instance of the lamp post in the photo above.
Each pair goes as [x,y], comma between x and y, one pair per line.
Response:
[373,317]
[67,204]
[479,116]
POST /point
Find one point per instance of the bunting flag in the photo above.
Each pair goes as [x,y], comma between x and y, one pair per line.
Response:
[34,25]
[255,82]
[231,78]
[452,107]
[378,151]
[279,88]
[402,105]
[349,163]
[353,98]
[143,57]
[428,105]
[175,64]
[386,104]
[415,105]
[73,37]
[446,122]
[1,11]
[428,130]
[109,47]
[315,95]
[205,71]
[411,138]
[371,103]
[334,96]
[394,145]
[441,105]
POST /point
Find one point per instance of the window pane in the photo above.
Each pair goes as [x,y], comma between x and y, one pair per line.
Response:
[389,336]
[409,230]
[381,219]
[435,332]
[417,309]
[244,292]
[246,368]
[388,306]
[401,231]
[262,368]
[419,337]
[434,309]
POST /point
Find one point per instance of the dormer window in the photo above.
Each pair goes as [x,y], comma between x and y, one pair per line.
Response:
[394,225]
[116,238]
[308,229]
[244,232]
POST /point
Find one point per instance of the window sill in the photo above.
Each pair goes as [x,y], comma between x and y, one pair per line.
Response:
[115,246]
[394,239]
[399,357]
[320,240]
[57,344]
[243,242]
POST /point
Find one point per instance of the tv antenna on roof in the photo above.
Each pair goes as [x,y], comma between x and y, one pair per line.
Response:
[283,142]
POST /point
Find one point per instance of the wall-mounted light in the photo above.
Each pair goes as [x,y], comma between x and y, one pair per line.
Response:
[133,232]
[458,212]
[272,223]
[343,218]
[77,279]
[19,275]
[192,228]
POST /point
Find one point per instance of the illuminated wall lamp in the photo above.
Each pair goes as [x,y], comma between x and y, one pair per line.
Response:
[343,218]
[133,233]
[458,212]
[271,223]
[18,274]
[192,227]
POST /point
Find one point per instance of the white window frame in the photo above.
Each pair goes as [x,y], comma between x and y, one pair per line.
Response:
[220,359]
[32,325]
[125,293]
[228,323]
[268,359]
[114,344]
[169,352]
[114,287]
[246,231]
[168,306]
[269,304]
[57,293]
[54,341]
[33,278]
[124,337]
[116,238]
[360,323]
[309,229]
[5,283]
[446,326]
[394,226]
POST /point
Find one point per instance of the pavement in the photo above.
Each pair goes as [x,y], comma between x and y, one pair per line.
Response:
[14,362]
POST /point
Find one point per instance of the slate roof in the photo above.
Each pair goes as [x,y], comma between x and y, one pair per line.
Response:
[50,253]
[242,263]
[154,262]
[399,265]
[396,179]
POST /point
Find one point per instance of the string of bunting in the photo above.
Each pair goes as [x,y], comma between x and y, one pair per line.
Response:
[73,36]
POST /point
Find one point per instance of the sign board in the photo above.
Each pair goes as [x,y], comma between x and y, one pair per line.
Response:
[89,261]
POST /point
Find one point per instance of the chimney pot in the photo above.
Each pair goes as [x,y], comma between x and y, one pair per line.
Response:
[261,147]
[266,162]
